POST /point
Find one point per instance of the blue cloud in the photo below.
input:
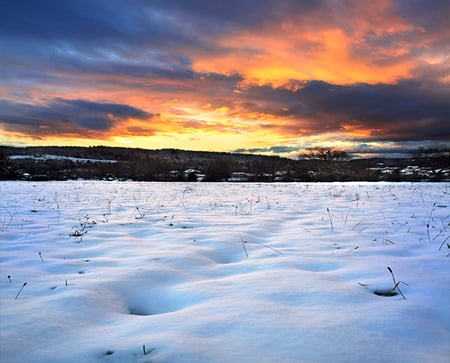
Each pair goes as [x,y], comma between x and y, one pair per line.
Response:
[78,113]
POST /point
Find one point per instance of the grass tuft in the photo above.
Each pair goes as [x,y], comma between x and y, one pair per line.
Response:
[24,284]
[331,221]
[397,283]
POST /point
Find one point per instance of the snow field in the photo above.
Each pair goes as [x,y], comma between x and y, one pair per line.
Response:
[224,272]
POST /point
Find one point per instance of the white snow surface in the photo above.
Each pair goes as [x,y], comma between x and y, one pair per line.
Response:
[224,272]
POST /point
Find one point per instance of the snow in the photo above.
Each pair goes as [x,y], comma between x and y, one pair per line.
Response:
[224,272]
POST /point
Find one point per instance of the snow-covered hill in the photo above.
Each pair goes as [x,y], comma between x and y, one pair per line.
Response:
[224,272]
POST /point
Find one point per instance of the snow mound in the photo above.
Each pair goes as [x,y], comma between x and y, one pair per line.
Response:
[174,272]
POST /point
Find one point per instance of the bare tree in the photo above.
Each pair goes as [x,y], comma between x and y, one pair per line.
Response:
[327,154]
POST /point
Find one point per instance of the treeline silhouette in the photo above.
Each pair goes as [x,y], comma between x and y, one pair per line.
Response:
[112,163]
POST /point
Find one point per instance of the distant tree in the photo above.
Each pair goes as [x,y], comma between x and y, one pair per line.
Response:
[327,154]
[218,170]
[7,169]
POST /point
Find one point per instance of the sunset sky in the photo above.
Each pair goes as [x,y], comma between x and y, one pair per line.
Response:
[276,77]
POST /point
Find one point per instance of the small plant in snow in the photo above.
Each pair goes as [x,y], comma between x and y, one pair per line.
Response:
[357,197]
[387,241]
[144,349]
[139,214]
[331,221]
[357,224]
[243,247]
[24,284]
[353,249]
[55,198]
[6,221]
[442,244]
[87,222]
[108,206]
[395,289]
[79,233]
[258,243]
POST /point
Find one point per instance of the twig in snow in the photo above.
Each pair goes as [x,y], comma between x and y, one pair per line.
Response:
[243,246]
[331,221]
[429,221]
[140,215]
[385,241]
[442,230]
[428,232]
[357,224]
[24,284]
[442,244]
[396,284]
[306,229]
[40,255]
[353,249]
[392,274]
[106,218]
[346,216]
[261,244]
[9,279]
[144,349]
[55,198]
[5,222]
[268,204]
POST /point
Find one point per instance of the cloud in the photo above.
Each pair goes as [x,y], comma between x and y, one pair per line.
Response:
[86,22]
[266,42]
[432,16]
[272,72]
[66,116]
[408,110]
[265,150]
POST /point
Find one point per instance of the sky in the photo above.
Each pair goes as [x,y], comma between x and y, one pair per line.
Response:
[274,77]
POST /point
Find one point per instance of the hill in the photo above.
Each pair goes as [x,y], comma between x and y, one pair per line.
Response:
[113,163]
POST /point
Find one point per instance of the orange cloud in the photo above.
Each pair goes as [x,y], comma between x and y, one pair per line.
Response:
[298,49]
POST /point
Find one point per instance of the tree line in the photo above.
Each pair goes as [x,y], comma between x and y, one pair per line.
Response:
[107,163]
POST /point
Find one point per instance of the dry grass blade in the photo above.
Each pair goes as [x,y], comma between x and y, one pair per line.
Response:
[261,244]
[331,221]
[243,246]
[24,284]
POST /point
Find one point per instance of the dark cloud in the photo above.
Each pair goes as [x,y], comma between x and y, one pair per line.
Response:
[148,32]
[71,114]
[140,131]
[397,149]
[408,110]
[431,15]
[272,149]
[90,22]
[238,13]
[90,36]
[143,38]
[105,28]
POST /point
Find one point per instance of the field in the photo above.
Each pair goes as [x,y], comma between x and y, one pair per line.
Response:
[223,272]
